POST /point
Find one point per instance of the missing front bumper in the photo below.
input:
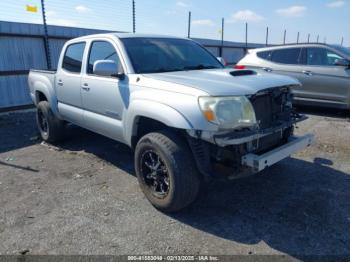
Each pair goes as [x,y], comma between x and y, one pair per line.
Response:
[260,162]
[237,137]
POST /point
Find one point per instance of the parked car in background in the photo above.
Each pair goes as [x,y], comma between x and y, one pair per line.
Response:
[323,70]
[185,115]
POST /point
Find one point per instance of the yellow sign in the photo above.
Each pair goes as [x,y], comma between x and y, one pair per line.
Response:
[32,8]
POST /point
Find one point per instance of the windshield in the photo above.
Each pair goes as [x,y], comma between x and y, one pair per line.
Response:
[156,55]
[344,50]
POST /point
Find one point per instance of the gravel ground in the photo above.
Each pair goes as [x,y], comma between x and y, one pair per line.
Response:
[82,197]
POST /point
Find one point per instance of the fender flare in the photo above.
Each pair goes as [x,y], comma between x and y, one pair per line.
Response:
[154,110]
[44,86]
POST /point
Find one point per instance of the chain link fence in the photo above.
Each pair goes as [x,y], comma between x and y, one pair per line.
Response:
[145,16]
[32,33]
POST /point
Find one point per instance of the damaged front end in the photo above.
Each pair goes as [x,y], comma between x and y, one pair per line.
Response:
[245,151]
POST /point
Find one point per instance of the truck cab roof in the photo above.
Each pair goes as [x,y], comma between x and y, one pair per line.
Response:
[124,35]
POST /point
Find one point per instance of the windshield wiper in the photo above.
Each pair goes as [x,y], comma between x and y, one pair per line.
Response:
[199,67]
[164,70]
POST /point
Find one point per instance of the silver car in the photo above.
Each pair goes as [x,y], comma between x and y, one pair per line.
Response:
[323,70]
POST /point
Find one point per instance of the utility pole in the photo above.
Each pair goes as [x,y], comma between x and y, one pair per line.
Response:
[246,36]
[308,38]
[189,25]
[133,17]
[46,37]
[342,41]
[284,37]
[317,38]
[222,36]
[298,38]
[267,36]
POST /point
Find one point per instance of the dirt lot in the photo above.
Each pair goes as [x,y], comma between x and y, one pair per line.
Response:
[82,197]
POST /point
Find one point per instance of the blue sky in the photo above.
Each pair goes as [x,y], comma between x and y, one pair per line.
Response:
[326,18]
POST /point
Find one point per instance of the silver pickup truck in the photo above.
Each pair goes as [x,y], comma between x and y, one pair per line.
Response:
[187,118]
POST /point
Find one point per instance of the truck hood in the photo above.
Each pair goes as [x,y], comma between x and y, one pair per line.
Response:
[219,82]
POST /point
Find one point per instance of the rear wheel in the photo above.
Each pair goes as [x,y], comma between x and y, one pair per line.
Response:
[166,171]
[50,127]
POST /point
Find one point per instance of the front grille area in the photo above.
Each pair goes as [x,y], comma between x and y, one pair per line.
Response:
[271,107]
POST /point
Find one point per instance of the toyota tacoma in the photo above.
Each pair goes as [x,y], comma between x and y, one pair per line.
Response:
[188,118]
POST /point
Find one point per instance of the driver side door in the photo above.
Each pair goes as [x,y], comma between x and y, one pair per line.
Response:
[103,97]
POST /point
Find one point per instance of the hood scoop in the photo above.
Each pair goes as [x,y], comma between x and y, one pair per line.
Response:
[242,73]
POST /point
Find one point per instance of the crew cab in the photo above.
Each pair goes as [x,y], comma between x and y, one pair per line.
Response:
[188,119]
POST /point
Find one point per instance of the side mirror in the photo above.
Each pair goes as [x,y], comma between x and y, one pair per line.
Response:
[342,62]
[221,60]
[107,68]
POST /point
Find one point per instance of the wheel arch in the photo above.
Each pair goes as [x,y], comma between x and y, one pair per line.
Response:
[43,91]
[148,116]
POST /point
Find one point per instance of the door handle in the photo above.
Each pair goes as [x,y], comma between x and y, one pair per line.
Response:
[267,69]
[86,87]
[308,73]
[60,82]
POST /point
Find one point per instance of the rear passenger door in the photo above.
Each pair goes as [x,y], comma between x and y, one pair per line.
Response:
[104,98]
[324,81]
[67,84]
[286,61]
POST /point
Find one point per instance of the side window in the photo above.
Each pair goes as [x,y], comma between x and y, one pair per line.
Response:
[264,55]
[73,57]
[286,56]
[101,50]
[321,56]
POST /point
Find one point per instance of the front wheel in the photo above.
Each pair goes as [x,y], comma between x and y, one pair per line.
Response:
[50,127]
[166,171]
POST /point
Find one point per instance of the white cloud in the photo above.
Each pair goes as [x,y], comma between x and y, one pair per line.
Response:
[82,9]
[179,7]
[181,4]
[62,22]
[53,19]
[292,11]
[245,16]
[203,22]
[51,13]
[335,4]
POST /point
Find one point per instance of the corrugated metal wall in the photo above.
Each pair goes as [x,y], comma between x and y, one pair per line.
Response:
[16,54]
[22,48]
[14,91]
[55,50]
[21,53]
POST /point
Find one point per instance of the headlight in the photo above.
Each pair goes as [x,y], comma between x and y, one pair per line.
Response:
[228,112]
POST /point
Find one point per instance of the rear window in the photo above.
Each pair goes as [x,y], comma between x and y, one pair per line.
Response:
[286,56]
[265,55]
[73,58]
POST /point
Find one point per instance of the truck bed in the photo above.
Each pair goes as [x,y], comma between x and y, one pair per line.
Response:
[43,71]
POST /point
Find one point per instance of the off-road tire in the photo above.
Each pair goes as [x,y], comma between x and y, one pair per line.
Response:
[184,179]
[55,127]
